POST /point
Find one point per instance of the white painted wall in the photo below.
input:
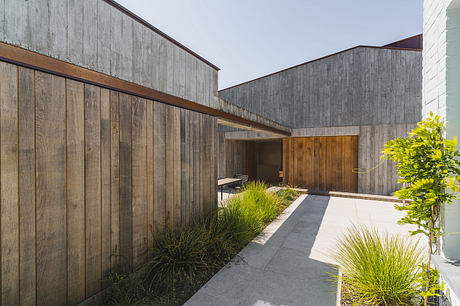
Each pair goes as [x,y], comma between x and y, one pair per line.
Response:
[441,88]
[441,94]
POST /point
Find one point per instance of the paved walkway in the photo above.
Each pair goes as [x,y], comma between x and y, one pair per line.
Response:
[288,263]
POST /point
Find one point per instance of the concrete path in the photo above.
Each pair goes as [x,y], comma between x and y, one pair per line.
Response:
[288,263]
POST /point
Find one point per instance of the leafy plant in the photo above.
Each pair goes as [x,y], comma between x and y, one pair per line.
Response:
[378,269]
[434,281]
[428,163]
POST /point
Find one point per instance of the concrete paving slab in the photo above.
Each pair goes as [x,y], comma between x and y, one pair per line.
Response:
[289,263]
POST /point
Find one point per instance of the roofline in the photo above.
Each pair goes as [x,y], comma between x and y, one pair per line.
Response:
[156,30]
[402,40]
[33,60]
[319,59]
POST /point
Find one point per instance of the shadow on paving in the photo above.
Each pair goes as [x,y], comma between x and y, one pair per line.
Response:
[275,269]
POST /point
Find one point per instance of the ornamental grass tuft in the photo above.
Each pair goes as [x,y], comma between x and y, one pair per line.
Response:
[378,269]
[182,260]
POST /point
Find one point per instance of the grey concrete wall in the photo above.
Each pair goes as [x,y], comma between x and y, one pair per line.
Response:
[95,35]
[363,86]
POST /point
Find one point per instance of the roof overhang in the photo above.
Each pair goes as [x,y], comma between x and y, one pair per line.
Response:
[40,62]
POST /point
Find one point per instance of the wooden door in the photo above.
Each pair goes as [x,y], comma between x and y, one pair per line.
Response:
[321,163]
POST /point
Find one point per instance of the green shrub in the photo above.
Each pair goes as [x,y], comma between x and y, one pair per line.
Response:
[287,195]
[125,289]
[175,260]
[181,261]
[379,269]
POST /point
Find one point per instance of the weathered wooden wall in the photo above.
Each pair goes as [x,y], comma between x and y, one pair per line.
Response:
[378,176]
[362,86]
[87,172]
[375,176]
[231,157]
[98,36]
[321,163]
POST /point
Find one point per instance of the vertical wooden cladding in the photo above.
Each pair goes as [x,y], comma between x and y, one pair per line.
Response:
[9,177]
[321,163]
[87,173]
[50,144]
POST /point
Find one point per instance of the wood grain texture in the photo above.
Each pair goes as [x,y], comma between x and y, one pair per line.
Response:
[324,163]
[9,177]
[114,177]
[139,178]
[377,176]
[51,189]
[105,150]
[356,87]
[93,189]
[177,192]
[203,164]
[26,117]
[196,204]
[169,161]
[159,166]
[126,212]
[149,221]
[185,165]
[84,175]
[76,238]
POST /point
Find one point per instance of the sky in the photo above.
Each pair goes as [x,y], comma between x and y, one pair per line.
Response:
[247,39]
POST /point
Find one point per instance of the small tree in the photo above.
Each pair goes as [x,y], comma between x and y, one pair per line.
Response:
[428,164]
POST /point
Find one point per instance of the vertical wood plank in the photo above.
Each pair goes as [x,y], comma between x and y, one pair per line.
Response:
[346,163]
[93,189]
[105,180]
[75,192]
[196,166]
[51,189]
[338,160]
[139,178]
[9,178]
[26,117]
[355,154]
[215,149]
[299,181]
[169,162]
[177,211]
[291,161]
[308,162]
[203,168]
[323,151]
[126,212]
[285,160]
[185,165]
[209,150]
[191,131]
[114,177]
[159,166]
[150,174]
[317,163]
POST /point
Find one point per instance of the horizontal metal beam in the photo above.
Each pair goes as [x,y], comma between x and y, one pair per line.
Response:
[33,60]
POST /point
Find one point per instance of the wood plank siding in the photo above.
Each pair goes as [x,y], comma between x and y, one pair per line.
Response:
[321,163]
[87,172]
[362,86]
